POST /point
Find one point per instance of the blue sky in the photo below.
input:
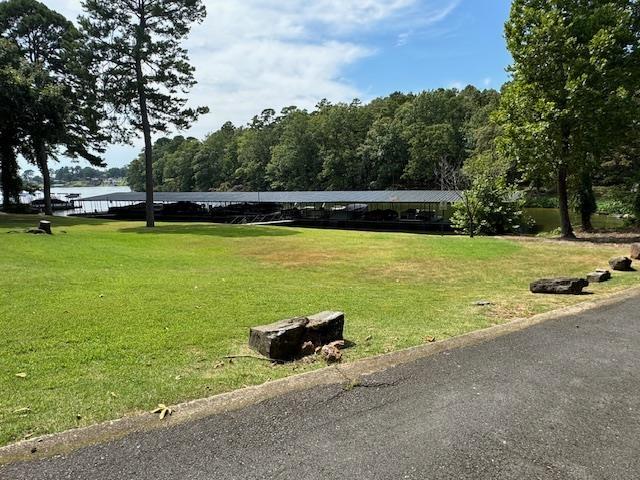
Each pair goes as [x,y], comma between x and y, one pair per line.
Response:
[466,47]
[256,54]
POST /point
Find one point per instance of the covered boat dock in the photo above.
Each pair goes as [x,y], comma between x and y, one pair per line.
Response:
[386,209]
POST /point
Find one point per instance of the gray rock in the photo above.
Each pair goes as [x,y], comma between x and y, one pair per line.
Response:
[281,340]
[483,303]
[635,251]
[599,276]
[331,354]
[561,286]
[621,264]
[308,348]
[293,338]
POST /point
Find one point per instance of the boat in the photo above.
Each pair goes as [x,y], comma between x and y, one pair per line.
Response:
[56,204]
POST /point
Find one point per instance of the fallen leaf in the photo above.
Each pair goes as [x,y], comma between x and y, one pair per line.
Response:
[219,365]
[21,375]
[429,339]
[22,410]
[113,394]
[163,410]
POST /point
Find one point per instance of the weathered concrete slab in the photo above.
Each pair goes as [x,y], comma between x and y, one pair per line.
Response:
[281,340]
[324,328]
[559,286]
[599,276]
[286,340]
[621,264]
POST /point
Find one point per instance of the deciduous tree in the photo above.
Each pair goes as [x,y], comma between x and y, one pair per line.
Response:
[64,109]
[572,97]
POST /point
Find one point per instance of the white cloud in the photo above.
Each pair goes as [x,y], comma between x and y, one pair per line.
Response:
[255,54]
[403,39]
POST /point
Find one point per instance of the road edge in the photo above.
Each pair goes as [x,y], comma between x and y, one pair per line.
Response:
[75,439]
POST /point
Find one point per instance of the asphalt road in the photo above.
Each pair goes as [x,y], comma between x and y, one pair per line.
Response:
[560,400]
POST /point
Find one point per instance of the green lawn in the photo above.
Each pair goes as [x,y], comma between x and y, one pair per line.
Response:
[108,318]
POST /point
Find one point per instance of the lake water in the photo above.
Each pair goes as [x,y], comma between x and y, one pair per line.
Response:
[84,192]
[548,219]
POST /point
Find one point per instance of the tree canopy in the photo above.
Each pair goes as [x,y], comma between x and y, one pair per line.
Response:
[573,94]
[63,113]
[397,141]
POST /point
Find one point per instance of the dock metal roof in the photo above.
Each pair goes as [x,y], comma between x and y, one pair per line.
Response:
[379,196]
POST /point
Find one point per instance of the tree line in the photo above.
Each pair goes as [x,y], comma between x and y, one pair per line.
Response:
[397,142]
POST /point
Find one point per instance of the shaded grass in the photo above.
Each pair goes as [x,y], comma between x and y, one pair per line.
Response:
[108,318]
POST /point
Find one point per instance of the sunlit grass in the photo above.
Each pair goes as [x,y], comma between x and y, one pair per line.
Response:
[107,318]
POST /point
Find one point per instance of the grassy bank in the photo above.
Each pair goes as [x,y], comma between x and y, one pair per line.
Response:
[106,318]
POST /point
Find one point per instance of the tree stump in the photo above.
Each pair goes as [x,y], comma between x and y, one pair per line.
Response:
[46,226]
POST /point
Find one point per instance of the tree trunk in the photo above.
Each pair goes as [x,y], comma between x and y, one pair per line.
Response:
[563,200]
[588,205]
[9,181]
[587,226]
[43,165]
[146,127]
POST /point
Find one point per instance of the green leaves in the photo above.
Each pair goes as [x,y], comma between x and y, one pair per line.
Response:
[569,103]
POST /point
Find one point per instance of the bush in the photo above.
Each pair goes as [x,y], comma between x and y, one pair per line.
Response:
[489,207]
[541,201]
[615,207]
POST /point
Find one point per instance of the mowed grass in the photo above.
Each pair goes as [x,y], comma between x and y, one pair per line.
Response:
[109,318]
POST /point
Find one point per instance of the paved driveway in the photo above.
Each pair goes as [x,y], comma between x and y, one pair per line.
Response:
[559,400]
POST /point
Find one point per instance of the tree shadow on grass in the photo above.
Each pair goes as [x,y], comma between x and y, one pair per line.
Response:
[23,221]
[214,230]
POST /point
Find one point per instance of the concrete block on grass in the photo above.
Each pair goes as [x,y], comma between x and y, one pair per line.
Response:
[284,340]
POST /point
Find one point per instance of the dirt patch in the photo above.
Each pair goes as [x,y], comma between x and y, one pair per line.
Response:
[297,258]
[413,271]
[619,238]
[509,311]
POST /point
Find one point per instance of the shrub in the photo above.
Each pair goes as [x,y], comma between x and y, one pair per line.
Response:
[489,207]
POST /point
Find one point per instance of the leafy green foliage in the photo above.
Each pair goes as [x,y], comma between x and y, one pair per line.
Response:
[398,141]
[489,207]
[572,99]
[60,108]
[125,36]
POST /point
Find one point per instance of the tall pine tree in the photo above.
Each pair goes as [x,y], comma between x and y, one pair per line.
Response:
[145,72]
